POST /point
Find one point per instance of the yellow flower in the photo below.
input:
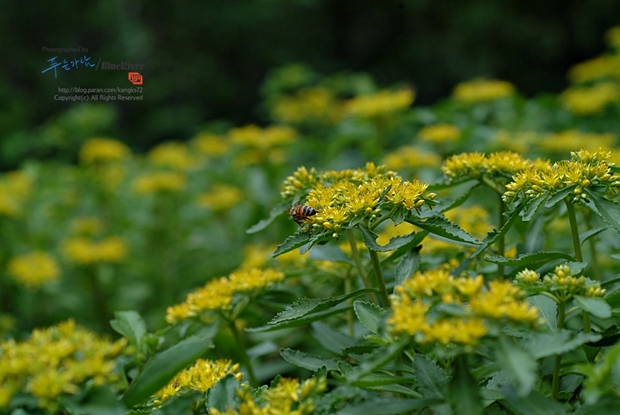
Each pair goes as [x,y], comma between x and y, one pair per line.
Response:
[97,150]
[613,37]
[439,133]
[160,182]
[218,294]
[15,188]
[410,157]
[220,197]
[173,155]
[211,145]
[201,376]
[591,99]
[312,104]
[87,225]
[599,68]
[34,269]
[85,251]
[380,104]
[50,363]
[480,90]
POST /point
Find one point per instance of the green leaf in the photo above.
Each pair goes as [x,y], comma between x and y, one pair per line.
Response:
[330,253]
[463,393]
[223,394]
[292,242]
[445,228]
[388,406]
[608,210]
[376,360]
[432,381]
[307,361]
[547,309]
[370,240]
[520,364]
[100,400]
[273,215]
[131,325]
[407,265]
[559,196]
[301,321]
[531,404]
[164,366]
[370,315]
[590,233]
[446,204]
[531,207]
[333,340]
[533,260]
[557,342]
[593,305]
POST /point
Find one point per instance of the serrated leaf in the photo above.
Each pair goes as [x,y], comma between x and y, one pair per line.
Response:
[531,207]
[388,406]
[305,306]
[591,233]
[441,226]
[333,340]
[377,359]
[307,361]
[223,394]
[407,265]
[164,366]
[330,253]
[463,392]
[593,305]
[396,388]
[370,240]
[273,215]
[557,342]
[520,364]
[532,260]
[302,321]
[370,315]
[608,210]
[559,196]
[131,325]
[531,404]
[292,242]
[431,380]
[547,309]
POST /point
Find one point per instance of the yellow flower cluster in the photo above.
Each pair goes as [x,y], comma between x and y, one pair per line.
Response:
[160,182]
[201,376]
[174,155]
[569,140]
[221,197]
[284,397]
[259,145]
[34,269]
[15,189]
[342,196]
[585,100]
[55,361]
[476,165]
[415,309]
[560,283]
[211,145]
[380,104]
[84,251]
[316,104]
[480,90]
[99,150]
[409,157]
[217,294]
[587,168]
[299,183]
[86,225]
[439,133]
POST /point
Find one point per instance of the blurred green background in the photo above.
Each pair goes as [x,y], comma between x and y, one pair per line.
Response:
[206,60]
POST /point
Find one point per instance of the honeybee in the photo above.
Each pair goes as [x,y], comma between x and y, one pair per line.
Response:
[300,213]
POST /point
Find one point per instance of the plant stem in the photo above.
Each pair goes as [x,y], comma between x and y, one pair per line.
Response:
[578,255]
[383,218]
[555,384]
[374,258]
[501,243]
[596,270]
[245,359]
[358,263]
[350,313]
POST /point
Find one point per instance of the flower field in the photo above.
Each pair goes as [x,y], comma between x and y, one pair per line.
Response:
[462,258]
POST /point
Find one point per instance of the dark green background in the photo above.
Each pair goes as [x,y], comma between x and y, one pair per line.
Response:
[206,60]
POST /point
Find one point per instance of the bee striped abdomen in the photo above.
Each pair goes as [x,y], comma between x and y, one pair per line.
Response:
[300,213]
